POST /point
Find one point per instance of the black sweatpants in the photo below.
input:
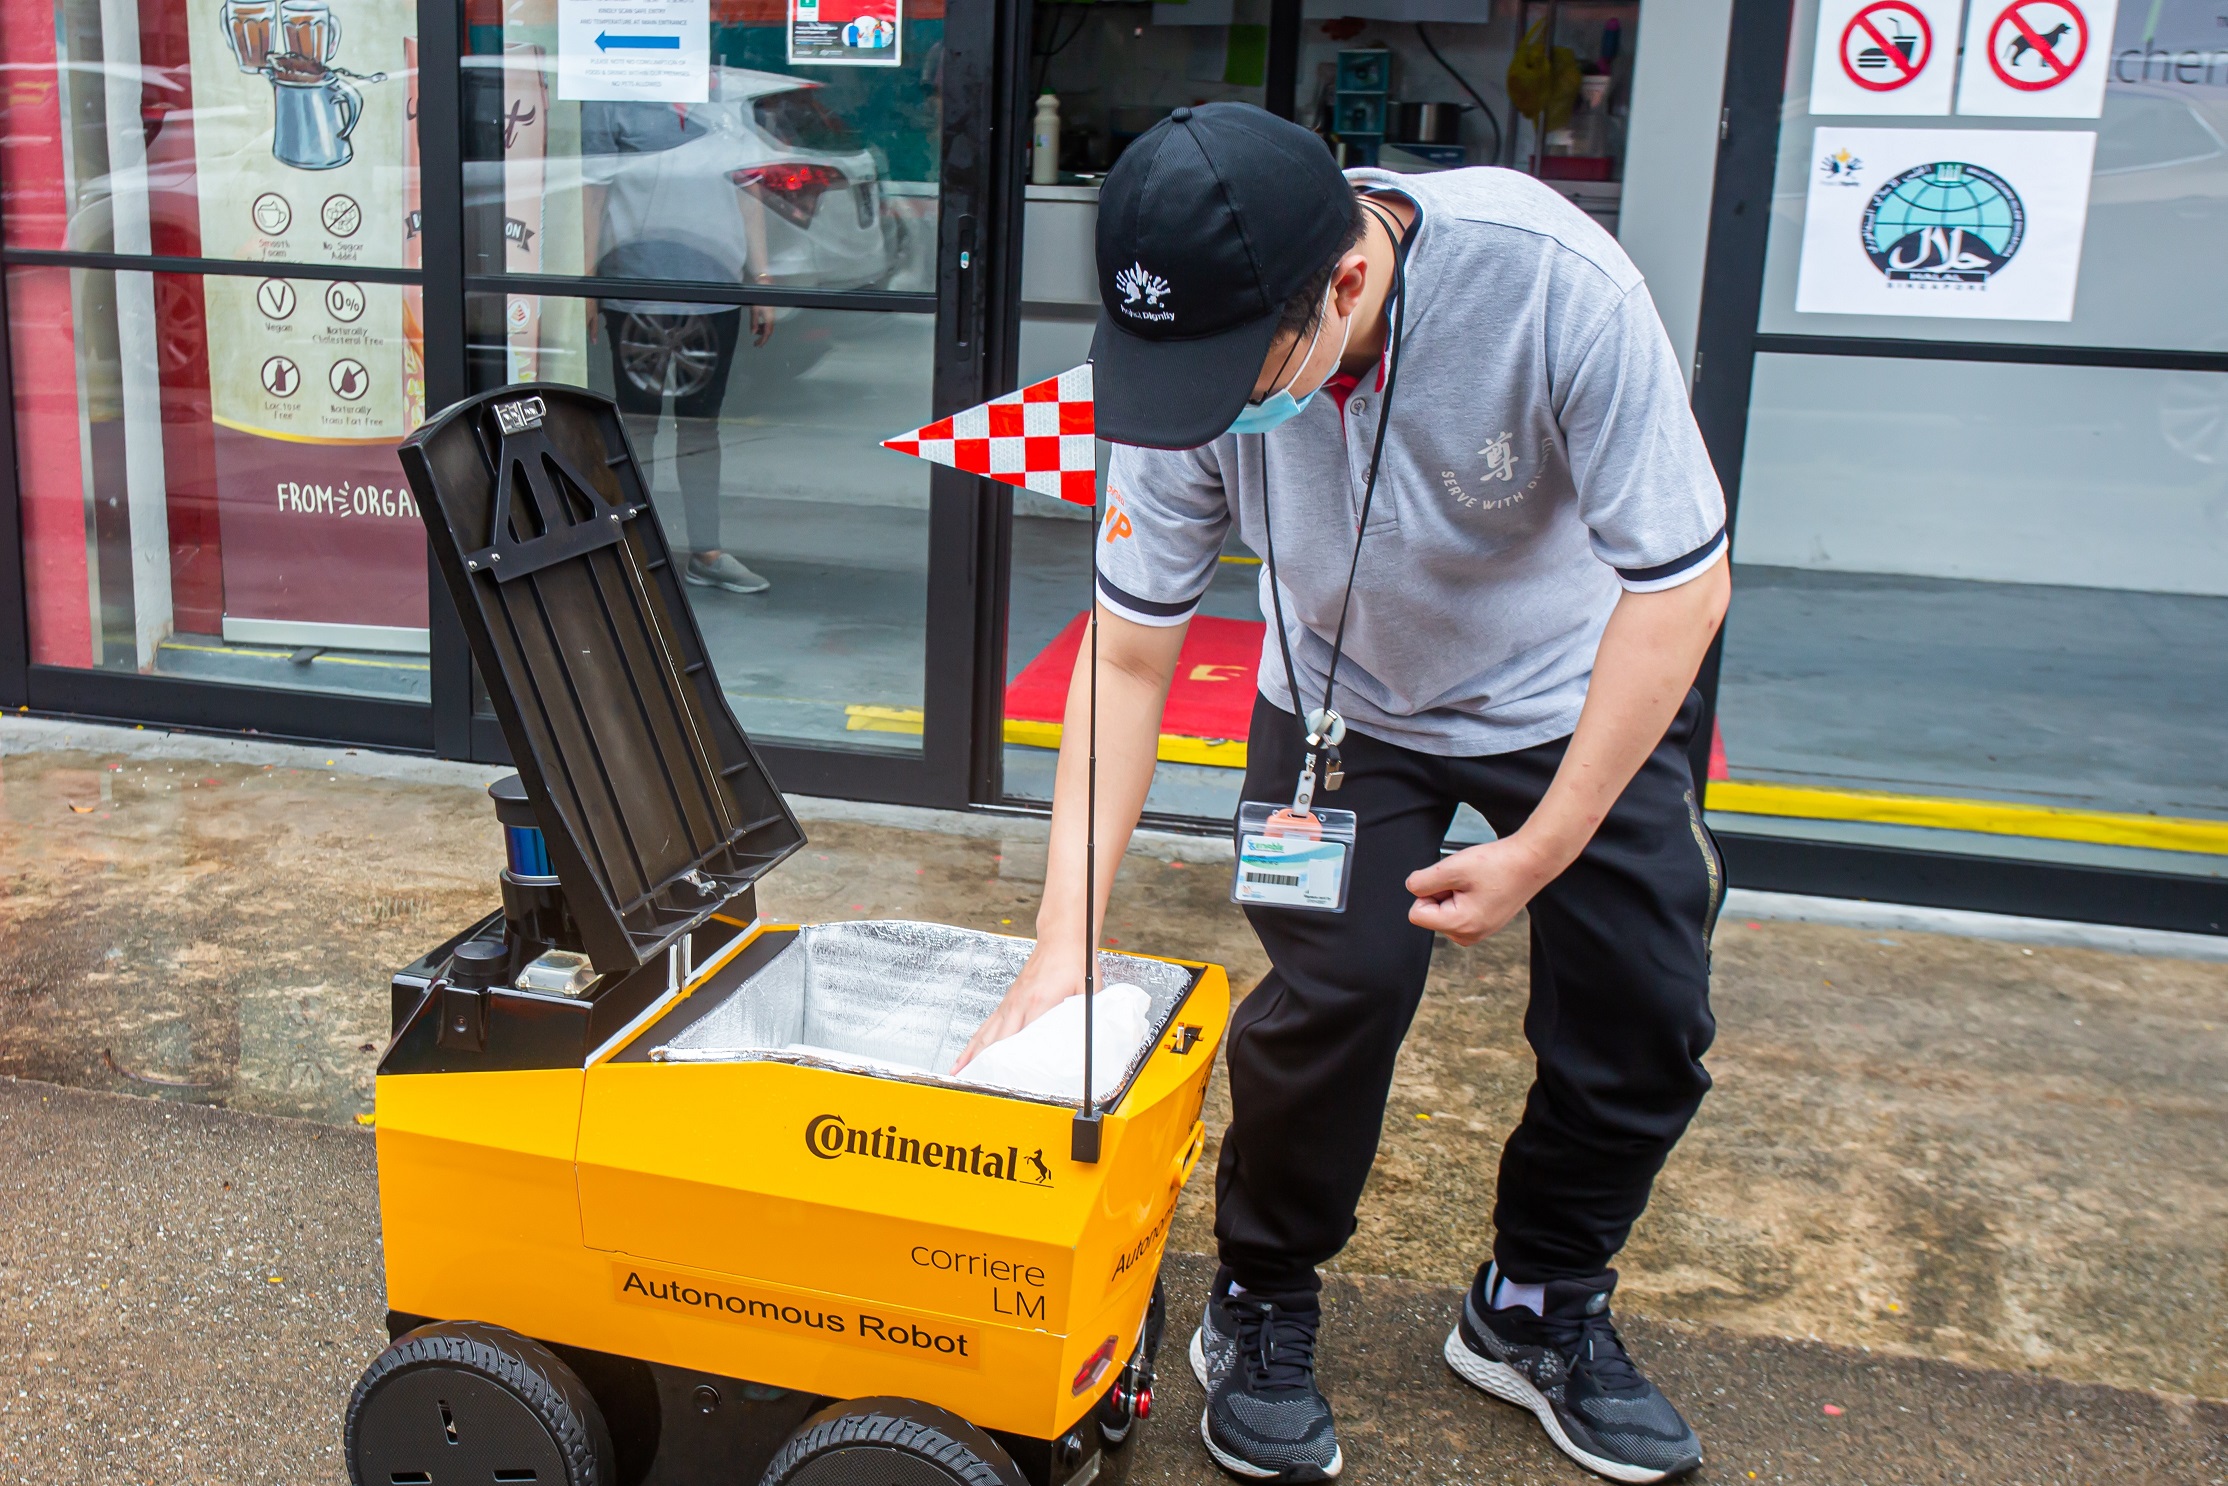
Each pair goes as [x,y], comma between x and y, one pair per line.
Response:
[696,441]
[1618,1021]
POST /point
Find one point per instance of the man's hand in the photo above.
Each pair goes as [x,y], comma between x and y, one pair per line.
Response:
[1474,893]
[1136,663]
[1642,669]
[1044,982]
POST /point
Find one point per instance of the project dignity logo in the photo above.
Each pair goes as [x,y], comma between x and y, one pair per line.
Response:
[1948,224]
[1842,168]
[829,1138]
[1142,293]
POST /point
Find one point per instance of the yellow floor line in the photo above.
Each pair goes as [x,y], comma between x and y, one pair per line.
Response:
[1742,796]
[1174,749]
[1987,817]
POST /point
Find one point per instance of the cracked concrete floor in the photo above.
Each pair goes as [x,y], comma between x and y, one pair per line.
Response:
[1950,1148]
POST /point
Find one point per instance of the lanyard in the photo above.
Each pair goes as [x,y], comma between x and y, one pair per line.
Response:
[1323,728]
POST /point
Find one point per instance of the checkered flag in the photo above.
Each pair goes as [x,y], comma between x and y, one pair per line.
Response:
[1038,438]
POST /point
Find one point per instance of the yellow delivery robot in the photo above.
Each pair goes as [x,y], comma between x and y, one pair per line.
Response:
[676,1197]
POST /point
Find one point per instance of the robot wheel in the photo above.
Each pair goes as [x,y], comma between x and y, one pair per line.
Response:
[890,1442]
[460,1401]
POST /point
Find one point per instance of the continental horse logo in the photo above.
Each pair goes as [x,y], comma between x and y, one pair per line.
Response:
[830,1139]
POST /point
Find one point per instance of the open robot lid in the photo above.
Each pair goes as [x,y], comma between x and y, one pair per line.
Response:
[655,807]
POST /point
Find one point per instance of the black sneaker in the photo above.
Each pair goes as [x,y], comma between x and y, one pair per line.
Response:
[1265,1419]
[1570,1369]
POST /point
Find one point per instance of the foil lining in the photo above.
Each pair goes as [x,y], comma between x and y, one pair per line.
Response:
[893,992]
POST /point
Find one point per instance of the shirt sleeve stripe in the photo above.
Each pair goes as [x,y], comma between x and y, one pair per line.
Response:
[1144,611]
[1679,567]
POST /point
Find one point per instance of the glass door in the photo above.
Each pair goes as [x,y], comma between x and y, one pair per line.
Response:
[765,241]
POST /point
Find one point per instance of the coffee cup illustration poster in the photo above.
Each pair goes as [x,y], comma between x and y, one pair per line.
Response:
[303,155]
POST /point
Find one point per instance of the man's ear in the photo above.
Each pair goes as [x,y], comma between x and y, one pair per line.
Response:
[1347,285]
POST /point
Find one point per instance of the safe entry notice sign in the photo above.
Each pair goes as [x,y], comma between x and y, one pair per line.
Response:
[643,51]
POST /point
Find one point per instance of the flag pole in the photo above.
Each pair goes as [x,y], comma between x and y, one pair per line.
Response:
[1084,1142]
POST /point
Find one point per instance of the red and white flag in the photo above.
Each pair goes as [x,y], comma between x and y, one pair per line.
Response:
[1039,438]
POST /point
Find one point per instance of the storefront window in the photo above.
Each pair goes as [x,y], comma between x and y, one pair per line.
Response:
[208,482]
[268,130]
[804,543]
[1981,604]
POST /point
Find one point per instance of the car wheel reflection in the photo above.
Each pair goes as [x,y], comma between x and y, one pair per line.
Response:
[675,354]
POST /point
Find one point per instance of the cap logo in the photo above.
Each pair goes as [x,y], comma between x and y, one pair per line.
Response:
[1142,292]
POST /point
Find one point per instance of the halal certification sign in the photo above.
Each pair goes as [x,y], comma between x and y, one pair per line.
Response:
[1945,223]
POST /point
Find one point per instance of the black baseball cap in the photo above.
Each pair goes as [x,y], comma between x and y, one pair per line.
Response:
[1207,224]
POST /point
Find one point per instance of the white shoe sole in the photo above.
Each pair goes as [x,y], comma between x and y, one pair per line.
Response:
[1510,1386]
[691,578]
[1223,1458]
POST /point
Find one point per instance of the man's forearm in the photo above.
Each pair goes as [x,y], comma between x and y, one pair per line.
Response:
[1643,669]
[1136,664]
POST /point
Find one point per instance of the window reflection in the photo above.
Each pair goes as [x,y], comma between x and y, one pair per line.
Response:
[799,178]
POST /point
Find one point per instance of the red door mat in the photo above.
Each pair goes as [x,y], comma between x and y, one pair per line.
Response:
[1210,706]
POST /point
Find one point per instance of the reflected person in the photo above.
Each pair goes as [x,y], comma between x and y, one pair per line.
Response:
[659,202]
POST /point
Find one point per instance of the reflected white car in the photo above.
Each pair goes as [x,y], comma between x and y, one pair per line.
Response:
[762,133]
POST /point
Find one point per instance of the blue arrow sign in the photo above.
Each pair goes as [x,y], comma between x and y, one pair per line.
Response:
[605,41]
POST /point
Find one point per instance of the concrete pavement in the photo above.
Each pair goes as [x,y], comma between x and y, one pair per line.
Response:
[1996,1165]
[187,1294]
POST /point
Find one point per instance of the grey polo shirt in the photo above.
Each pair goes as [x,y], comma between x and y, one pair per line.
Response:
[1541,459]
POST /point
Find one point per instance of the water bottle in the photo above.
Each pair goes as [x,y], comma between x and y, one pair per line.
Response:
[1044,165]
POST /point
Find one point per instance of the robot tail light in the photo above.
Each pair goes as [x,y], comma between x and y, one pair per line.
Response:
[1095,1366]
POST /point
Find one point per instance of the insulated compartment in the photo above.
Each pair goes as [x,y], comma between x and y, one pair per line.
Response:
[807,1221]
[893,998]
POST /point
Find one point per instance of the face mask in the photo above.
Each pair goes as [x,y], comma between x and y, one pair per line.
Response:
[1281,406]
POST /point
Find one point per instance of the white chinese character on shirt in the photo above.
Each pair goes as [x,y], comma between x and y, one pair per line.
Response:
[1500,459]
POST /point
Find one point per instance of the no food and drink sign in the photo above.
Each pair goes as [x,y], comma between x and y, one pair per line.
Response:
[1885,56]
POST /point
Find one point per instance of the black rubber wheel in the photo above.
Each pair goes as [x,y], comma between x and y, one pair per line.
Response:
[462,1403]
[890,1442]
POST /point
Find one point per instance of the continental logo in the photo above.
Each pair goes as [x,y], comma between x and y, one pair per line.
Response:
[807,1317]
[829,1138]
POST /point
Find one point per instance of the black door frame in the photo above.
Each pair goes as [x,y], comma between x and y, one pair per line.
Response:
[976,301]
[1726,346]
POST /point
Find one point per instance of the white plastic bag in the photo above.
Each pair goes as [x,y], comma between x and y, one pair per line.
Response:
[861,1061]
[1046,1057]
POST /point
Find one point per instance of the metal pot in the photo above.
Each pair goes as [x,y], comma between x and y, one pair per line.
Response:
[1425,123]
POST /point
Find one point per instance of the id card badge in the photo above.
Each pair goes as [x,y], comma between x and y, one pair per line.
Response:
[1287,860]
